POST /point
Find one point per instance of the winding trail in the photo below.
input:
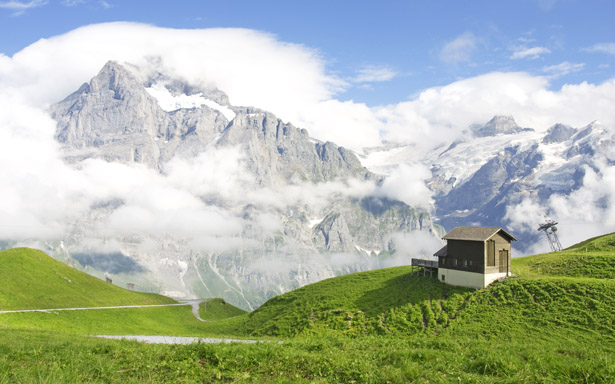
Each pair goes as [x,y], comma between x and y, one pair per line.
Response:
[193,303]
[147,338]
[85,308]
[195,306]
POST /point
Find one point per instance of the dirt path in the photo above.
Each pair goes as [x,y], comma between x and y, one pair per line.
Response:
[152,339]
[84,308]
[193,303]
[195,307]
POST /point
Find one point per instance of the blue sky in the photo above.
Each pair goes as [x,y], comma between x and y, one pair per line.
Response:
[387,50]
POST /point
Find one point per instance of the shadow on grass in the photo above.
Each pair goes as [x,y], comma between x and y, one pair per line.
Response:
[403,290]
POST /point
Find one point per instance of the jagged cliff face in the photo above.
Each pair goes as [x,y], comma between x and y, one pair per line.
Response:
[114,117]
[302,210]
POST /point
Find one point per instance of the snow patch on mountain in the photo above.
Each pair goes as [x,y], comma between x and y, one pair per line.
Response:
[457,163]
[171,102]
[465,158]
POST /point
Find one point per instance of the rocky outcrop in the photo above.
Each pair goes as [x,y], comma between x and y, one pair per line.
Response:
[558,134]
[113,117]
[498,125]
[278,152]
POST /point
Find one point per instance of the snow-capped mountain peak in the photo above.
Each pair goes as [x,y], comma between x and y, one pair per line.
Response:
[496,126]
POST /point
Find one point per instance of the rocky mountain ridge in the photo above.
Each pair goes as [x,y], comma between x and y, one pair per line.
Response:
[299,210]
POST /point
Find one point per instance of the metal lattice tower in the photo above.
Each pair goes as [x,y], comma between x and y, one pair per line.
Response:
[550,230]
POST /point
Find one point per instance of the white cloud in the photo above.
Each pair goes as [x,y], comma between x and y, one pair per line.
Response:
[529,53]
[586,212]
[346,123]
[252,67]
[33,203]
[20,7]
[290,80]
[459,49]
[608,48]
[213,173]
[314,195]
[41,197]
[414,244]
[562,69]
[374,73]
[438,115]
[407,183]
[73,3]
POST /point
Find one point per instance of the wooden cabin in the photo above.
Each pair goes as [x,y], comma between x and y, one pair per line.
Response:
[474,256]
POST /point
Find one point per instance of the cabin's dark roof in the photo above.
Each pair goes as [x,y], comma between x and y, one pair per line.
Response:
[475,233]
[442,252]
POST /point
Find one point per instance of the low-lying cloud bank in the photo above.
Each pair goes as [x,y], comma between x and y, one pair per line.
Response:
[41,196]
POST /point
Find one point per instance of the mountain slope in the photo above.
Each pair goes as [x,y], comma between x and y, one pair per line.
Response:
[33,280]
[115,117]
[239,205]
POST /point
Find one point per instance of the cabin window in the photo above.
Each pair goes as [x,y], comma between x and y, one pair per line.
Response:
[465,263]
[491,253]
[454,262]
[470,262]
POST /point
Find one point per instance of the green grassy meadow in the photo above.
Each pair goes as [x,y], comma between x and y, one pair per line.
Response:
[552,323]
[32,280]
[592,258]
[218,309]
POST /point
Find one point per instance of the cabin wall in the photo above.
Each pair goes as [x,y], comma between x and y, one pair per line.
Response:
[501,244]
[464,256]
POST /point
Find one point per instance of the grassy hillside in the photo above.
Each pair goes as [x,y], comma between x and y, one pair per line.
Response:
[554,323]
[570,289]
[218,309]
[429,307]
[358,304]
[31,280]
[593,258]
